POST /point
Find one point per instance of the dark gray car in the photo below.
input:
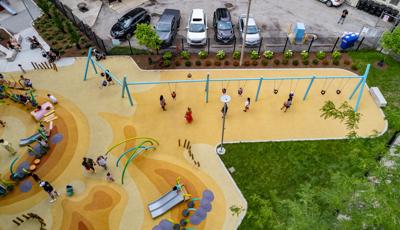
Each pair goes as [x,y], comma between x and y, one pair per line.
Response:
[167,26]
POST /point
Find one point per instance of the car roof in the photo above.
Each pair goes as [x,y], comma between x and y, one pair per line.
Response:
[251,20]
[223,14]
[197,13]
[134,12]
[166,18]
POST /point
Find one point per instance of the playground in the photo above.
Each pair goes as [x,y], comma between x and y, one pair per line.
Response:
[158,151]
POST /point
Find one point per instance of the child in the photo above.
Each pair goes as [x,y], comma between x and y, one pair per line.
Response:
[240,91]
[109,78]
[173,95]
[162,102]
[286,105]
[3,123]
[103,81]
[109,177]
[247,105]
[223,90]
[102,162]
[188,115]
[53,194]
[52,99]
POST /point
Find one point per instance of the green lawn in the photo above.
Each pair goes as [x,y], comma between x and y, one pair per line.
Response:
[304,185]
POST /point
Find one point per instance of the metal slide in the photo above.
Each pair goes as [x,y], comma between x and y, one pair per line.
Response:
[27,141]
[165,203]
[8,8]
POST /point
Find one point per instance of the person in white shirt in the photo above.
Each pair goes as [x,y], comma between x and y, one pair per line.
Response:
[8,147]
[52,98]
[247,105]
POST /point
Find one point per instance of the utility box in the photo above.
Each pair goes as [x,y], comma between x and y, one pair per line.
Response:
[378,97]
[299,32]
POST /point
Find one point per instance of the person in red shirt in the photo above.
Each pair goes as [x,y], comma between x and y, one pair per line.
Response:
[188,115]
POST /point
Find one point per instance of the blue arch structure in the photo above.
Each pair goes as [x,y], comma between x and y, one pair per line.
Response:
[125,85]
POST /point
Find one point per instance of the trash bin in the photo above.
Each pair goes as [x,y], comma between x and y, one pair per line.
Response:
[348,40]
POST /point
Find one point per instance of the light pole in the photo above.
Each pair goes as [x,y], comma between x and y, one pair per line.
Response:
[225,99]
[245,33]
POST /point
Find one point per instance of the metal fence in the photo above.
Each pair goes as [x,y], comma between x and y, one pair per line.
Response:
[67,12]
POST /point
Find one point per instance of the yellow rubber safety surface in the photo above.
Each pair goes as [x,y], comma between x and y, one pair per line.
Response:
[92,120]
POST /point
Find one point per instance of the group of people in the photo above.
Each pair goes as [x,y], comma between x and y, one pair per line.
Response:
[88,164]
[52,55]
[13,44]
[106,79]
[34,43]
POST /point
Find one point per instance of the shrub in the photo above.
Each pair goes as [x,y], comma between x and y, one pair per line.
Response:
[277,62]
[220,54]
[268,54]
[166,63]
[227,62]
[336,55]
[54,43]
[167,55]
[315,61]
[264,62]
[355,66]
[254,63]
[62,52]
[208,62]
[325,62]
[306,62]
[321,55]
[254,55]
[236,55]
[285,61]
[288,54]
[198,63]
[235,63]
[202,54]
[185,54]
[335,62]
[87,46]
[177,63]
[304,55]
[295,62]
[188,63]
[346,62]
[217,63]
[247,63]
[60,37]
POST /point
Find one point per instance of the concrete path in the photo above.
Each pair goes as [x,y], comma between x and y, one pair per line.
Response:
[22,20]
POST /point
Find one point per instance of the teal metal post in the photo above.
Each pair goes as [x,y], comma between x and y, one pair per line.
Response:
[123,87]
[356,88]
[308,88]
[364,81]
[207,86]
[259,87]
[94,66]
[128,92]
[89,57]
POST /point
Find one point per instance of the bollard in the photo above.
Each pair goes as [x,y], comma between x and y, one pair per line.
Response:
[188,145]
[184,144]
[33,64]
[192,157]
[179,142]
[55,67]
[198,164]
[47,67]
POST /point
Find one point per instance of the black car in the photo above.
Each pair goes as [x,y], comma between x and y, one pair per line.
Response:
[167,26]
[223,27]
[126,25]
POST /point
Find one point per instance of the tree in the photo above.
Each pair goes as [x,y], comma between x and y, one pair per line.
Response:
[45,6]
[391,40]
[58,19]
[73,34]
[147,36]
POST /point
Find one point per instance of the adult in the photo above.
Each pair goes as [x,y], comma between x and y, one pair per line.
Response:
[102,161]
[8,147]
[52,99]
[27,82]
[286,105]
[188,115]
[88,164]
[163,103]
[247,105]
[53,194]
[345,12]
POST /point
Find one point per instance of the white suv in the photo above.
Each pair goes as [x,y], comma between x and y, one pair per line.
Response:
[197,28]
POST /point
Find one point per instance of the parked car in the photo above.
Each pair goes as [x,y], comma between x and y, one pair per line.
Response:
[197,28]
[223,26]
[126,25]
[167,26]
[253,37]
[332,2]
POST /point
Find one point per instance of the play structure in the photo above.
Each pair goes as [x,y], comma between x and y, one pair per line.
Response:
[327,81]
[194,214]
[146,144]
[169,200]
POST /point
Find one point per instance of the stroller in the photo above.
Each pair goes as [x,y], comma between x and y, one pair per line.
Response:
[99,55]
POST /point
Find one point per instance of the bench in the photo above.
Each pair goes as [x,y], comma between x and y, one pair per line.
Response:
[378,97]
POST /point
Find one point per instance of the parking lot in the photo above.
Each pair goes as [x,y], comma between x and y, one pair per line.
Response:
[273,17]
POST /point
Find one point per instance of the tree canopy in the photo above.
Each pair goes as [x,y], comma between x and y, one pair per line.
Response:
[391,40]
[147,36]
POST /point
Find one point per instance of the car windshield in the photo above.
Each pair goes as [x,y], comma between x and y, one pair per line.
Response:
[224,25]
[252,30]
[126,23]
[196,28]
[163,27]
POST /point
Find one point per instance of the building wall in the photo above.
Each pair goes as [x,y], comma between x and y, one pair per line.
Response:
[392,3]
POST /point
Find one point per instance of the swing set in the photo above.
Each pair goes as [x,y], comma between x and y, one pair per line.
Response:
[278,81]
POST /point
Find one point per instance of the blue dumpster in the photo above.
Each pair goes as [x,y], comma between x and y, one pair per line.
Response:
[348,40]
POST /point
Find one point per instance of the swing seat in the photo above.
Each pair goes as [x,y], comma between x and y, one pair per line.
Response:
[323,92]
[338,91]
[276,91]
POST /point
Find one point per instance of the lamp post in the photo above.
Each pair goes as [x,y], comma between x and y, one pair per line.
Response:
[225,99]
[245,33]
